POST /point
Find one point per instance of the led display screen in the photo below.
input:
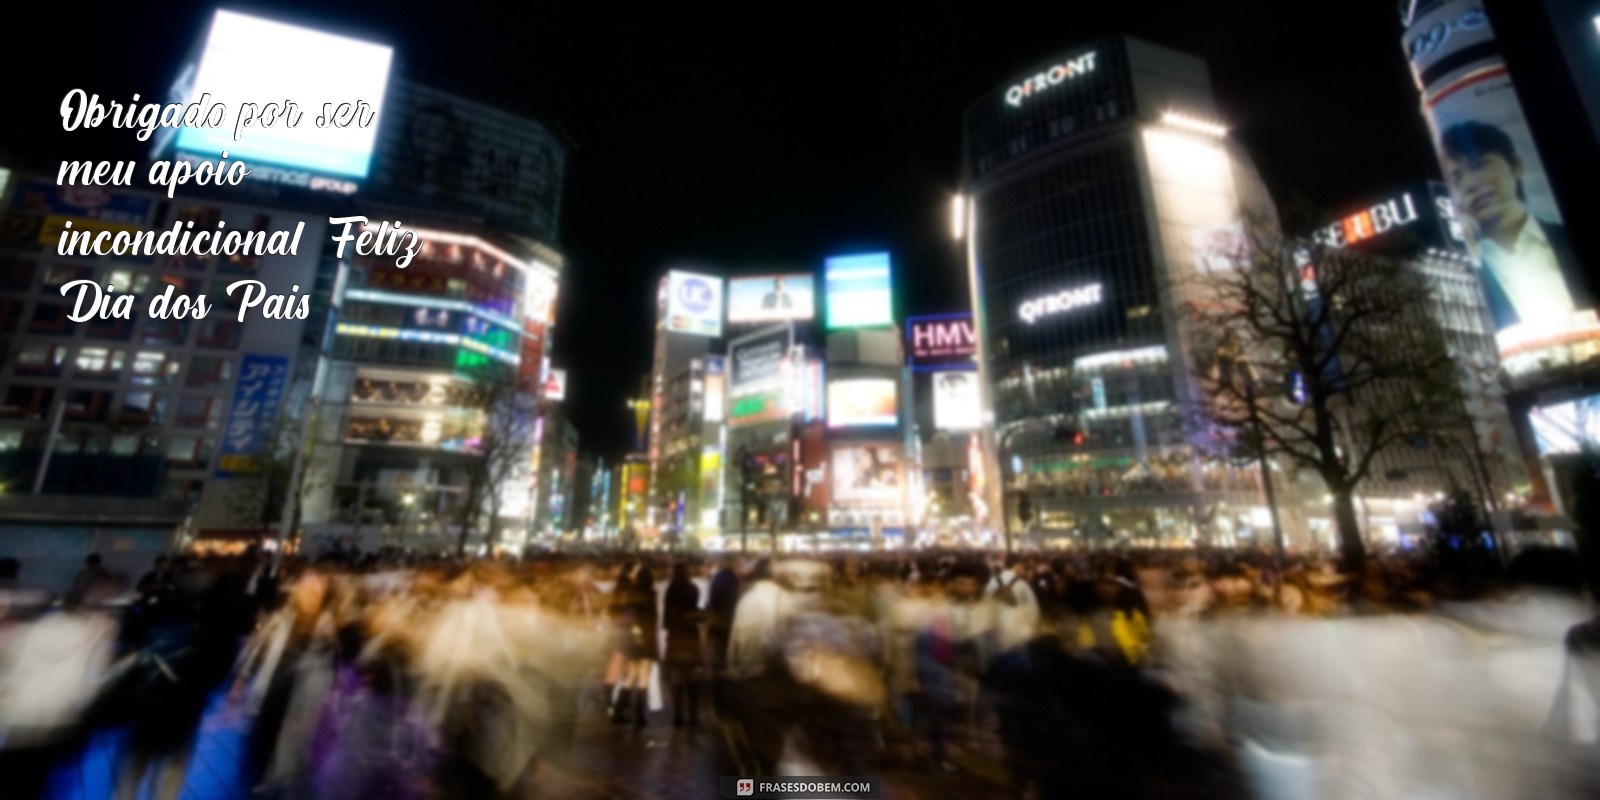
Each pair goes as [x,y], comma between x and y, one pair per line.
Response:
[858,291]
[255,60]
[866,473]
[771,298]
[1538,294]
[863,402]
[957,404]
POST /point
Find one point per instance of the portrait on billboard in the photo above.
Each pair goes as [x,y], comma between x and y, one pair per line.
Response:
[957,405]
[866,473]
[1529,272]
[1534,288]
[771,298]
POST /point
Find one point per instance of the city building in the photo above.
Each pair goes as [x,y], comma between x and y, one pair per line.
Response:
[361,418]
[1087,181]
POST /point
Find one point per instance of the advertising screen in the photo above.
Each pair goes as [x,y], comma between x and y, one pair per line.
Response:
[771,298]
[716,389]
[694,304]
[1538,295]
[957,405]
[555,385]
[250,59]
[866,473]
[941,340]
[759,359]
[858,291]
[863,402]
[1568,427]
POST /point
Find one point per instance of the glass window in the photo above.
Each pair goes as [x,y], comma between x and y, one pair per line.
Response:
[40,359]
[118,329]
[49,318]
[183,448]
[166,331]
[16,274]
[98,362]
[87,404]
[194,410]
[206,372]
[125,444]
[61,274]
[222,332]
[149,368]
[25,401]
[144,407]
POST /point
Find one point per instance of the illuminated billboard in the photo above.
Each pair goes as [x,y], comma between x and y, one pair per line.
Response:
[863,402]
[858,291]
[757,377]
[942,340]
[694,304]
[716,390]
[957,404]
[758,359]
[771,298]
[555,385]
[1538,294]
[1569,427]
[869,473]
[256,60]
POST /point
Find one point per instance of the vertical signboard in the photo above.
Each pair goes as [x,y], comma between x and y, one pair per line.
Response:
[1538,294]
[257,395]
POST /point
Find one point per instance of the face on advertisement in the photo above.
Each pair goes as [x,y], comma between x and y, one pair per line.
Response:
[1486,176]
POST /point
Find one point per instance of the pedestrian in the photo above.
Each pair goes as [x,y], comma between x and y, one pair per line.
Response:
[683,661]
[720,606]
[634,612]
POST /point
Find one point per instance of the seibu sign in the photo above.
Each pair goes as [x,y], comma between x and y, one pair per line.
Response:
[941,339]
[1381,218]
[1066,70]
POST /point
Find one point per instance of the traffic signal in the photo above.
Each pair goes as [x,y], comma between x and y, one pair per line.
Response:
[1024,509]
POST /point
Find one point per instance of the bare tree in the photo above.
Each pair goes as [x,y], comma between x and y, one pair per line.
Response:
[1326,357]
[509,414]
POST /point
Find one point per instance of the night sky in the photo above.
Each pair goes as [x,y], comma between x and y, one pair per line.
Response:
[767,139]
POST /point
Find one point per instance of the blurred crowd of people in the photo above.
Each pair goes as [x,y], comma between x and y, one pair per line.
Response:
[1090,673]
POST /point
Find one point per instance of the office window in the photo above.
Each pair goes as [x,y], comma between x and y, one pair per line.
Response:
[49,318]
[207,372]
[98,363]
[39,359]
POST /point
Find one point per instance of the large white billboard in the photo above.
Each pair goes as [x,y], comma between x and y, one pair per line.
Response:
[859,291]
[694,303]
[957,405]
[249,59]
[863,402]
[771,298]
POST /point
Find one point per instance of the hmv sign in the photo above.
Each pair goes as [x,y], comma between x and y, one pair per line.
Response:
[942,340]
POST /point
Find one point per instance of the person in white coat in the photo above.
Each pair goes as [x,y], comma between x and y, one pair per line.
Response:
[1016,604]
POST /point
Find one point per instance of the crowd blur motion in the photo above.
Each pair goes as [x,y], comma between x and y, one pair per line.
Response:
[1087,674]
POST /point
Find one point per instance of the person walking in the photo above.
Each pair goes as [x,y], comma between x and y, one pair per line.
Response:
[683,660]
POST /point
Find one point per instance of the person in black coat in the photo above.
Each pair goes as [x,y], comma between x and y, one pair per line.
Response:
[683,660]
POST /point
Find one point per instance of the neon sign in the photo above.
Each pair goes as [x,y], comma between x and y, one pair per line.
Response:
[1071,68]
[1060,302]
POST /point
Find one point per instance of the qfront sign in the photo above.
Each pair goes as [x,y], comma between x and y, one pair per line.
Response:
[1059,302]
[1048,78]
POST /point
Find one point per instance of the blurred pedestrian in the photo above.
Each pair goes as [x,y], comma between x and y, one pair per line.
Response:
[683,660]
